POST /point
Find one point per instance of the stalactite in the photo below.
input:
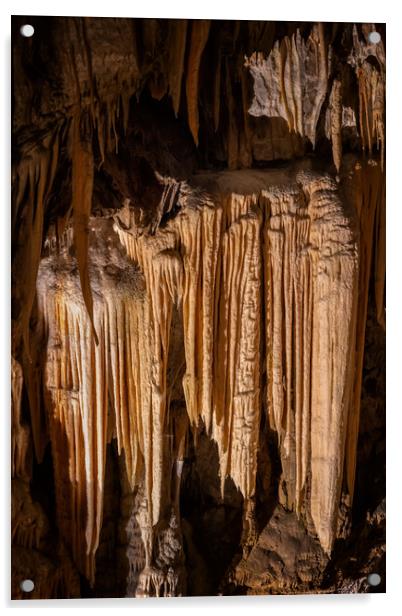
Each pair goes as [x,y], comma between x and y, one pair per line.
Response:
[333,333]
[199,236]
[178,30]
[162,269]
[233,130]
[233,309]
[221,307]
[322,81]
[365,188]
[335,111]
[196,233]
[82,187]
[310,394]
[75,399]
[32,185]
[208,260]
[291,296]
[245,149]
[238,349]
[80,378]
[124,322]
[371,113]
[217,91]
[199,37]
[371,82]
[34,176]
[291,83]
[371,108]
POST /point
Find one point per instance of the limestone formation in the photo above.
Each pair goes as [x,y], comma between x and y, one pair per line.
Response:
[189,320]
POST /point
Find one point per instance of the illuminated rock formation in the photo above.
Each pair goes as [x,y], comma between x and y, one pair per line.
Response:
[172,301]
[248,252]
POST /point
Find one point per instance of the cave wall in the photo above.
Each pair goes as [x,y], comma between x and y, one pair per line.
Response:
[198,277]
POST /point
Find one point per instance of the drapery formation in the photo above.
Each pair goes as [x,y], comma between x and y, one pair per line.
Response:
[249,255]
[148,310]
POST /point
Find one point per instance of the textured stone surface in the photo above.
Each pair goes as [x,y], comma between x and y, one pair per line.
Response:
[193,381]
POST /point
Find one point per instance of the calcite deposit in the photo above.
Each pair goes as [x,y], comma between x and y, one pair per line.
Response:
[198,307]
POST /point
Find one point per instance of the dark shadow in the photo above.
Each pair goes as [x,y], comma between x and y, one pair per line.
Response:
[106,581]
[216,523]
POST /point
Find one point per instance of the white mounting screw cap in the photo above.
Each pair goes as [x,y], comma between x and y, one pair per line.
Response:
[374,37]
[374,579]
[27,585]
[27,30]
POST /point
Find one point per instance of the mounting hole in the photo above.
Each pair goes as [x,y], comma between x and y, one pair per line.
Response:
[27,585]
[27,30]
[374,37]
[374,579]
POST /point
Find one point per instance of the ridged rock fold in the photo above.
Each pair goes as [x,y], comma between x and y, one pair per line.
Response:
[259,271]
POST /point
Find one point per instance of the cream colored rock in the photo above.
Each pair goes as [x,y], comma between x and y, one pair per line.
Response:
[260,269]
[291,83]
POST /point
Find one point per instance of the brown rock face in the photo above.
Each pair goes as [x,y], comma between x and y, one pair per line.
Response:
[198,308]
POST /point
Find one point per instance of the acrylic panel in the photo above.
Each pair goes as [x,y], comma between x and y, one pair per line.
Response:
[198,318]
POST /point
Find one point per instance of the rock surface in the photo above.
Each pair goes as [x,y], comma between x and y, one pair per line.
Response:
[198,308]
